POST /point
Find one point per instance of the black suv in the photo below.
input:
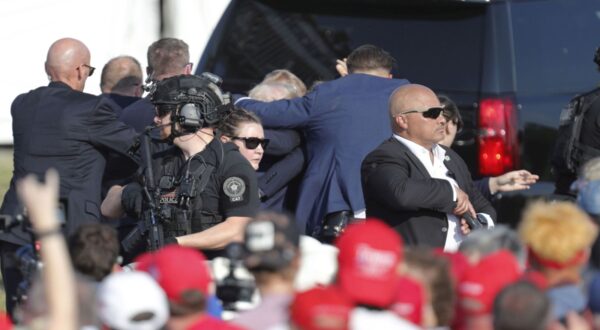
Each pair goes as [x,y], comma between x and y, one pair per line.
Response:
[511,66]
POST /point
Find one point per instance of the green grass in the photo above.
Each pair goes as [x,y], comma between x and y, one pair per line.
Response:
[6,167]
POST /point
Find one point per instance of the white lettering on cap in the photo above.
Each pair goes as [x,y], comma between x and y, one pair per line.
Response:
[471,288]
[260,236]
[373,262]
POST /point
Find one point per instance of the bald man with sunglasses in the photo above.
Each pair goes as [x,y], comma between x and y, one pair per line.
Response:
[417,186]
[59,126]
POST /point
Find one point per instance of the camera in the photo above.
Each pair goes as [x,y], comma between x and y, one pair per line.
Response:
[28,264]
[233,289]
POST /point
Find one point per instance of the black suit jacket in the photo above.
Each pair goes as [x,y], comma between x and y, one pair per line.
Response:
[71,131]
[399,190]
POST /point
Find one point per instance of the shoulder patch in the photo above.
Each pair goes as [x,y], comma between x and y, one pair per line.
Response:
[234,187]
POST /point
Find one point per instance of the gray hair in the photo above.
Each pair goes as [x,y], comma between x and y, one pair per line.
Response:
[480,243]
[272,91]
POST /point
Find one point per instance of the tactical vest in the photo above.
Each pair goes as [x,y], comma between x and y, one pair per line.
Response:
[569,153]
[181,193]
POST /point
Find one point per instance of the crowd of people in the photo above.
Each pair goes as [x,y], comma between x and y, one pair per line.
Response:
[343,205]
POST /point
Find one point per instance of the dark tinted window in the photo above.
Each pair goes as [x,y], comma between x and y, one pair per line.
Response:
[434,45]
[438,49]
[554,45]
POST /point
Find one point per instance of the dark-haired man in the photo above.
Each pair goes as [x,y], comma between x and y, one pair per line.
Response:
[273,245]
[342,120]
[94,250]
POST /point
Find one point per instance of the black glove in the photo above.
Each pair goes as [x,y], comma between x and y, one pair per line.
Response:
[131,199]
[170,240]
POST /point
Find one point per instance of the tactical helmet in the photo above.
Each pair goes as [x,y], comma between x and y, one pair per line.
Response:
[197,100]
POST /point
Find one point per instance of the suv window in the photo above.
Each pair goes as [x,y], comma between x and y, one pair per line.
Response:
[445,41]
[445,45]
[548,47]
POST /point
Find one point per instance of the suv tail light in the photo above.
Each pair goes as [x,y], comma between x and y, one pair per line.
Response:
[497,136]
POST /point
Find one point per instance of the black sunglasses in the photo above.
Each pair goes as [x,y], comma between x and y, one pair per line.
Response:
[92,69]
[253,142]
[432,113]
[164,109]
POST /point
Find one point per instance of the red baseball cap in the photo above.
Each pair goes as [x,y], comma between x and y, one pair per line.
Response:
[409,300]
[368,259]
[482,282]
[458,263]
[5,323]
[321,308]
[177,269]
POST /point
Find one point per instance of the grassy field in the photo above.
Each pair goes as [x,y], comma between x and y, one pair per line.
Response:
[6,167]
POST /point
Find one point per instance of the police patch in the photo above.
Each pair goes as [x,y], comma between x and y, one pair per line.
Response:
[234,188]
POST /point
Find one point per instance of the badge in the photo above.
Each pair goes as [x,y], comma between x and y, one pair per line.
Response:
[168,198]
[234,188]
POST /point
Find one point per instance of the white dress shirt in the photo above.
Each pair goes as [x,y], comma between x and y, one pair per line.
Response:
[438,170]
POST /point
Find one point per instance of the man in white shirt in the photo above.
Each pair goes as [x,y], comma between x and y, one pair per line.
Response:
[417,186]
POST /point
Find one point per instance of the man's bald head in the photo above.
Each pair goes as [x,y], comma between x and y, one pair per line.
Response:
[122,75]
[411,97]
[406,108]
[68,61]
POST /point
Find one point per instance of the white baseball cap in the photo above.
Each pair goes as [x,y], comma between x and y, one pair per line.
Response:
[132,301]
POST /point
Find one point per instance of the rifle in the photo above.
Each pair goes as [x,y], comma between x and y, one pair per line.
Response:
[150,225]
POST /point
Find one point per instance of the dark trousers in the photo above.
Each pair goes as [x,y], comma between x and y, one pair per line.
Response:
[11,275]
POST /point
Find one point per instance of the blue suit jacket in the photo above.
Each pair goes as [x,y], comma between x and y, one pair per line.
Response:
[139,114]
[71,131]
[283,161]
[342,120]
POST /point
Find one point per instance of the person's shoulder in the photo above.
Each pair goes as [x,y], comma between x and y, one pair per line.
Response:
[143,104]
[167,155]
[450,153]
[385,149]
[389,144]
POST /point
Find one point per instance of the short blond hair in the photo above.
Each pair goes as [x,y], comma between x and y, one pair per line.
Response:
[557,231]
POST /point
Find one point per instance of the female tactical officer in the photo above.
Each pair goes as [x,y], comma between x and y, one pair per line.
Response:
[245,130]
[206,190]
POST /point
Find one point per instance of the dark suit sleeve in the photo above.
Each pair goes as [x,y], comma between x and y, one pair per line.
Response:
[479,202]
[281,173]
[105,131]
[283,113]
[282,141]
[390,183]
[483,186]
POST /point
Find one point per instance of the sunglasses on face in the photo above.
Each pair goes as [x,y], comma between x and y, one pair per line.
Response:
[252,143]
[91,68]
[432,113]
[164,109]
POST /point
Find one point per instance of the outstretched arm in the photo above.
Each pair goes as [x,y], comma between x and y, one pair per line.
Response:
[217,237]
[513,180]
[41,201]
